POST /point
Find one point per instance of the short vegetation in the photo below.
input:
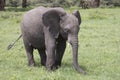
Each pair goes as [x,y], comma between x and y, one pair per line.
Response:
[99,43]
[61,3]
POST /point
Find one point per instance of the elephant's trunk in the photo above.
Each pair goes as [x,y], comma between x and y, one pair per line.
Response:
[74,44]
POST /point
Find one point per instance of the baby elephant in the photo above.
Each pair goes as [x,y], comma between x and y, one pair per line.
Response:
[47,30]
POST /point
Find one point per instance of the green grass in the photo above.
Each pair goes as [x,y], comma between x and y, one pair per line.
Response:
[99,51]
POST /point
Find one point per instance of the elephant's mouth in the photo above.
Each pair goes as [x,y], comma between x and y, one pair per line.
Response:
[64,35]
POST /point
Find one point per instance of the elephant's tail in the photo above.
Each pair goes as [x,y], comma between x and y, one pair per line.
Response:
[12,44]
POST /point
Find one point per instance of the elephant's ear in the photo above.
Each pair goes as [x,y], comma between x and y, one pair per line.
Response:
[51,19]
[77,14]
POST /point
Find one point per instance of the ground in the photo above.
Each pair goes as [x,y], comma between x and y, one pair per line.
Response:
[99,48]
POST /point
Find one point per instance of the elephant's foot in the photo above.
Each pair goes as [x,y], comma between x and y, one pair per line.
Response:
[51,67]
[82,71]
[31,63]
[43,63]
[57,63]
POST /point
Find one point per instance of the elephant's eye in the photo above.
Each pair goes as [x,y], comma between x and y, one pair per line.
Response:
[66,30]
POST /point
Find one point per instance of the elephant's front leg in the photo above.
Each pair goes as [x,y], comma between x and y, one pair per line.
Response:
[50,63]
[60,49]
[50,48]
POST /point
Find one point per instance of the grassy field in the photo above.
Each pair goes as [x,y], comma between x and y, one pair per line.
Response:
[99,51]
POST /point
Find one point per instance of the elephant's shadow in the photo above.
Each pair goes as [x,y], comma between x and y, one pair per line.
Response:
[64,65]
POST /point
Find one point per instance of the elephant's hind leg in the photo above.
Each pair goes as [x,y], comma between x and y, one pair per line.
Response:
[42,54]
[29,51]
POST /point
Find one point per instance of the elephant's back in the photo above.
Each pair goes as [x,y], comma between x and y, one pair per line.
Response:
[33,18]
[32,27]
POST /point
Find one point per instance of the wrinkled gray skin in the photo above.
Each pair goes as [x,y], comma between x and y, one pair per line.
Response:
[47,30]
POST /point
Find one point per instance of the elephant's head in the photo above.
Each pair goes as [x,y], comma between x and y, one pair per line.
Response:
[67,25]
